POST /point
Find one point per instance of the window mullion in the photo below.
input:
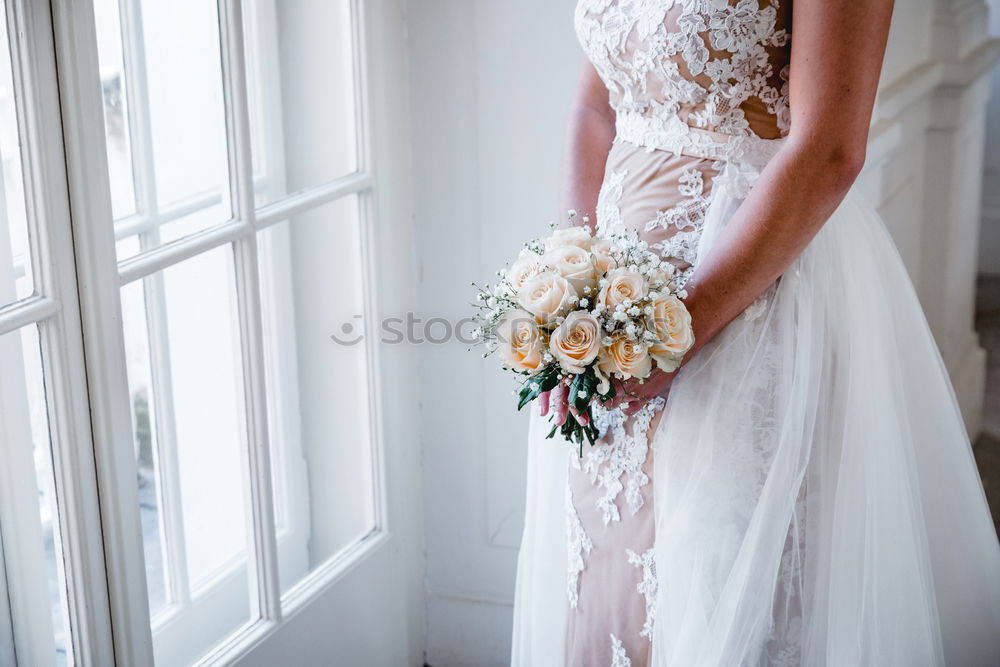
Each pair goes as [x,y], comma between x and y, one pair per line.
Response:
[265,586]
[234,85]
[359,43]
[314,197]
[23,313]
[147,203]
[164,256]
[165,453]
[100,309]
[137,102]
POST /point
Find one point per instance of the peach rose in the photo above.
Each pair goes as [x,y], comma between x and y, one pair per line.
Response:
[601,249]
[576,342]
[626,357]
[575,236]
[520,341]
[671,322]
[665,273]
[623,284]
[574,264]
[527,266]
[546,296]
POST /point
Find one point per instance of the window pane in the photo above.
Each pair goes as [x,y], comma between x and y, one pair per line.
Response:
[16,276]
[164,113]
[311,281]
[140,382]
[32,552]
[301,86]
[111,58]
[185,379]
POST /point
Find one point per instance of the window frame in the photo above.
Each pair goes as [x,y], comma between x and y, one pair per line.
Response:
[101,278]
[54,309]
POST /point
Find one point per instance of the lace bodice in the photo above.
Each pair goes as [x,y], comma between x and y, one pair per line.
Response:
[706,78]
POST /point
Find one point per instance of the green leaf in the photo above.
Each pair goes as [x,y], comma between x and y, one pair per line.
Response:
[550,380]
[546,380]
[582,384]
[527,395]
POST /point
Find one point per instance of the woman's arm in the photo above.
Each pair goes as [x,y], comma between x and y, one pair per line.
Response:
[591,131]
[837,51]
[588,141]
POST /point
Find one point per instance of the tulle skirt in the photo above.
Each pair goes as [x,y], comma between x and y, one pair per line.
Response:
[816,497]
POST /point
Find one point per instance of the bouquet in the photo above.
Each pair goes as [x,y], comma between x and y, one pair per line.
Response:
[582,310]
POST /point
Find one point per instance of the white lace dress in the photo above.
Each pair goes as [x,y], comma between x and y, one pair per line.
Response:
[807,496]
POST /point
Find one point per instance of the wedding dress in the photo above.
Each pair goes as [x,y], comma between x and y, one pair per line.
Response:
[807,495]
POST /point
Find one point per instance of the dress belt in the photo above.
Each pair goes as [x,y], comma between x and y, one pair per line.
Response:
[677,137]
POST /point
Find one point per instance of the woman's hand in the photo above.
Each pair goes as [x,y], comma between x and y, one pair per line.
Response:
[633,394]
[630,394]
[557,400]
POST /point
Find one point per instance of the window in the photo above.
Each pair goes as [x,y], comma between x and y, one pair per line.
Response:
[188,455]
[32,554]
[240,249]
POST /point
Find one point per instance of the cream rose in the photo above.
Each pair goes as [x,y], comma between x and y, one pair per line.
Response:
[626,357]
[576,342]
[575,236]
[671,322]
[574,264]
[521,343]
[546,296]
[527,266]
[623,285]
[665,273]
[601,249]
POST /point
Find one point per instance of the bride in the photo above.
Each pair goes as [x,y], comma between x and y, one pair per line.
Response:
[802,491]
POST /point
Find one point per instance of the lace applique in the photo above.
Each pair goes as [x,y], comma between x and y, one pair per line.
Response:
[690,211]
[682,245]
[618,656]
[609,215]
[687,217]
[682,73]
[647,587]
[578,547]
[737,178]
[620,454]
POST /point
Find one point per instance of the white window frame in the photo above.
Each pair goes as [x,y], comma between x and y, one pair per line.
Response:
[287,462]
[54,309]
[101,278]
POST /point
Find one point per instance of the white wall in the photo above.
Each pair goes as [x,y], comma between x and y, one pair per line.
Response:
[490,88]
[491,83]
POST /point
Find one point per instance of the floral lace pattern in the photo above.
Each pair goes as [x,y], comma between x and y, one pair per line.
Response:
[647,587]
[695,74]
[578,547]
[685,218]
[609,214]
[618,656]
[620,456]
